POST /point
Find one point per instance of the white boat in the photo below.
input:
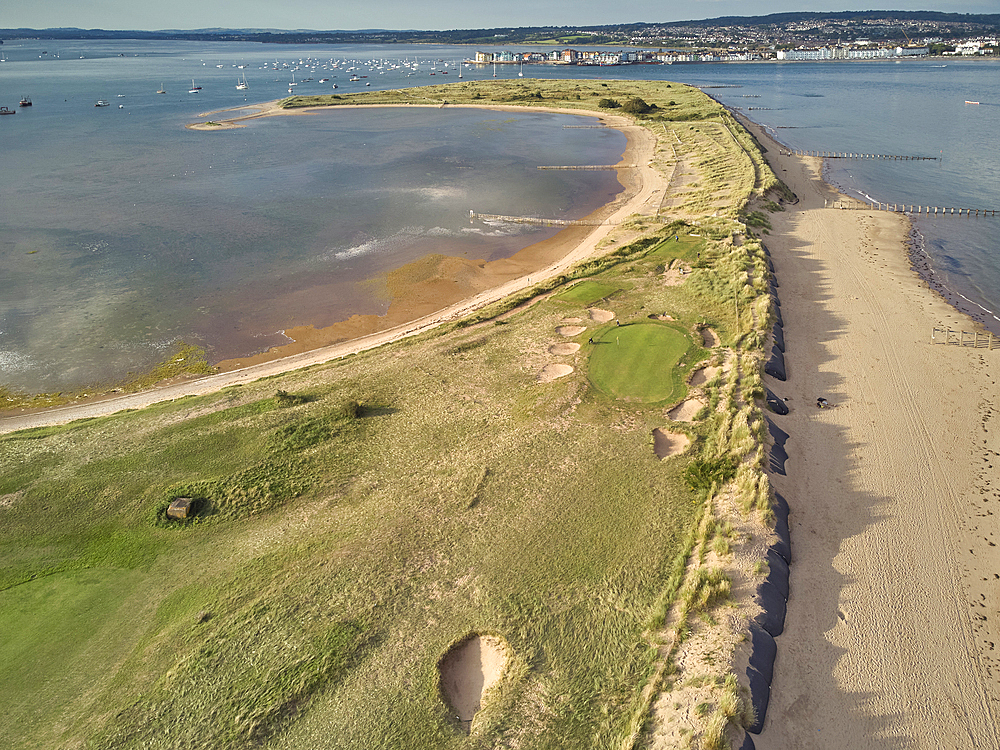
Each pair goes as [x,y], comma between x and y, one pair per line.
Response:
[241,84]
[194,89]
[102,103]
[161,90]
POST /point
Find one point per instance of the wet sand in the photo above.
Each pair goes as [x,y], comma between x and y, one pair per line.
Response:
[892,638]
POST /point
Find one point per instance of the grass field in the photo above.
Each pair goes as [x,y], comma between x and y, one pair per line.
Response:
[364,515]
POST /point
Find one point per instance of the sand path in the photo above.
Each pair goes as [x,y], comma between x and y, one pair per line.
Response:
[645,200]
[892,637]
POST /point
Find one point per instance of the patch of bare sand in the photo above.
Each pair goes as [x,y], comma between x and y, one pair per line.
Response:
[703,375]
[676,276]
[687,409]
[553,372]
[468,670]
[572,321]
[570,330]
[8,500]
[666,444]
[710,339]
[601,316]
[563,349]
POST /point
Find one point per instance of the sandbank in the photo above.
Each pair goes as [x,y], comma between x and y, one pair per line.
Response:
[892,635]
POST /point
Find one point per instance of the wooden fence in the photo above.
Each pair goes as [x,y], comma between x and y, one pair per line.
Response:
[974,339]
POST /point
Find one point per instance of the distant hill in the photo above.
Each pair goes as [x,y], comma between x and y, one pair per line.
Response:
[872,24]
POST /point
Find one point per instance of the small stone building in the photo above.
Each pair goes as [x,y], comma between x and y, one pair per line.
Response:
[179,508]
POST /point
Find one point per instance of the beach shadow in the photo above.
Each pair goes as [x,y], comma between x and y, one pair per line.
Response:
[812,699]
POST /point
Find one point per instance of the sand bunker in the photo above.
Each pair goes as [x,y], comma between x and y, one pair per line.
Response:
[666,444]
[702,376]
[570,330]
[687,409]
[469,669]
[572,320]
[710,338]
[564,348]
[676,276]
[551,372]
[601,316]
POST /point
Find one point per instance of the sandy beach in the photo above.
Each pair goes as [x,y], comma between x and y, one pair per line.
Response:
[892,637]
[417,306]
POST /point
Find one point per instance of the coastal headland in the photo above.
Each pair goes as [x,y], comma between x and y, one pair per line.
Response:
[451,527]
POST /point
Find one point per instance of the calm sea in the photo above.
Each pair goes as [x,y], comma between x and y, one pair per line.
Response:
[121,232]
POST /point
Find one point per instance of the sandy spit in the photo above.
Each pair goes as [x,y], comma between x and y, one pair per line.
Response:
[892,636]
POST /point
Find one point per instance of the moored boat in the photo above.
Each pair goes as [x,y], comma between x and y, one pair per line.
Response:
[102,103]
[5,111]
[25,101]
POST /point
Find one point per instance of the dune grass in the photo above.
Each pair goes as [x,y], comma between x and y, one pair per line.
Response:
[362,516]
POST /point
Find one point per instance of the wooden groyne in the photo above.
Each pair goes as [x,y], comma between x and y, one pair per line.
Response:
[535,220]
[909,208]
[852,155]
[974,339]
[592,166]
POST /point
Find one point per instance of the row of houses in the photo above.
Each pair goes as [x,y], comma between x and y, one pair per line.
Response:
[853,53]
[639,57]
[602,57]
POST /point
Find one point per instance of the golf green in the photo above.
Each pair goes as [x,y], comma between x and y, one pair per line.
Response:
[639,362]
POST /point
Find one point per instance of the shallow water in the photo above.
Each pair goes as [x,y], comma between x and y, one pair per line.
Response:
[125,233]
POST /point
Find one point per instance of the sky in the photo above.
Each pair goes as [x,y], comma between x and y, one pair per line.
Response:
[418,14]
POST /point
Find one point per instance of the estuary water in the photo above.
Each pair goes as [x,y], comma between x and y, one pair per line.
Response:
[121,232]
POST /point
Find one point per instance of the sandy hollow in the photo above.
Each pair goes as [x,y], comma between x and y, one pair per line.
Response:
[892,635]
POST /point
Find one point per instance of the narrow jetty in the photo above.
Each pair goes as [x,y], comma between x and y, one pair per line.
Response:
[535,220]
[909,208]
[852,155]
[591,166]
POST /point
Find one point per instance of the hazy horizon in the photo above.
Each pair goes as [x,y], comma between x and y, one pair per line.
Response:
[399,15]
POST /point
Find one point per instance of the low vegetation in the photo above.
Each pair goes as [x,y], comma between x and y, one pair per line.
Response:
[358,518]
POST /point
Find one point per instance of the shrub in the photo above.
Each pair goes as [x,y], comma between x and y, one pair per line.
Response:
[636,106]
[608,104]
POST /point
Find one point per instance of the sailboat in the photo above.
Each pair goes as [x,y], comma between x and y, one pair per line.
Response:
[241,84]
[161,90]
[520,73]
[194,89]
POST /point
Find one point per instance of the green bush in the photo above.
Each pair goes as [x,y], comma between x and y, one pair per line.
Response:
[608,104]
[636,106]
